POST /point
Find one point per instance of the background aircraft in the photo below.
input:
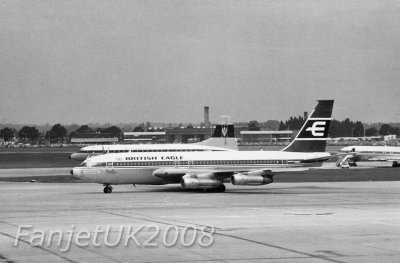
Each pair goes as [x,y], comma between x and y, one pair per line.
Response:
[223,139]
[369,153]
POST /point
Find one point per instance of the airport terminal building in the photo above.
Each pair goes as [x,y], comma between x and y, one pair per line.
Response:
[93,138]
[171,135]
[144,137]
[265,137]
[189,135]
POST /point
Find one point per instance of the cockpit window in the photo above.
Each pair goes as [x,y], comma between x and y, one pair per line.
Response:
[88,163]
[83,164]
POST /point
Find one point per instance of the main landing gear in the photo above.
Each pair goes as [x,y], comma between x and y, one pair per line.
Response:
[107,189]
[352,164]
[395,164]
[219,189]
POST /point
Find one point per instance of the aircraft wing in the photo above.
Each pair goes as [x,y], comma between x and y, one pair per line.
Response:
[174,175]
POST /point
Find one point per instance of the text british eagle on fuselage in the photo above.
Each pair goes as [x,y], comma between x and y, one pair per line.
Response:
[154,158]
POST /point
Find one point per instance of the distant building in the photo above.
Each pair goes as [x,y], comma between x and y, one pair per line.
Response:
[174,135]
[185,135]
[93,140]
[265,136]
[171,135]
[391,137]
[144,137]
[196,134]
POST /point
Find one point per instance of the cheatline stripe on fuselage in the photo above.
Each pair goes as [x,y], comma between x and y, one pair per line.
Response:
[213,168]
[209,164]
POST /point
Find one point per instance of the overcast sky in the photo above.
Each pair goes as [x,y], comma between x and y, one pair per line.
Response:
[126,61]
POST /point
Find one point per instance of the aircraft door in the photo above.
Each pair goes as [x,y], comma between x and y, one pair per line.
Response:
[109,166]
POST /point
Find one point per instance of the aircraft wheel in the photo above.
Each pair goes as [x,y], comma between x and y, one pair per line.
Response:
[395,165]
[220,189]
[107,189]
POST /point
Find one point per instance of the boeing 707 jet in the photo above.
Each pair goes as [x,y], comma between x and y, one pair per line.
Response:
[209,170]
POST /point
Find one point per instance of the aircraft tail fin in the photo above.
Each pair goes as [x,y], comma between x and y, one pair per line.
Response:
[313,135]
[224,131]
[223,136]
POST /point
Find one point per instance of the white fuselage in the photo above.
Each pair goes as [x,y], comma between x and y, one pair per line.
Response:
[373,153]
[372,149]
[365,153]
[95,150]
[149,167]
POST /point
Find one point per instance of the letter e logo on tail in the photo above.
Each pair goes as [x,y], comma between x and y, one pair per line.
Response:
[224,130]
[317,129]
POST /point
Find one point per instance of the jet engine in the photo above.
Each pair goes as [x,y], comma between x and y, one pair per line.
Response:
[199,183]
[252,178]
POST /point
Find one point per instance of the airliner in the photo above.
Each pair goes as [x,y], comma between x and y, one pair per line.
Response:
[370,153]
[223,139]
[209,171]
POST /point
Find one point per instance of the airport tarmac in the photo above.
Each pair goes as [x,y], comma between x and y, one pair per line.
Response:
[280,222]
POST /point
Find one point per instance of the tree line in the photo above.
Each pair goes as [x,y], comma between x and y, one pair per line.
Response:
[57,133]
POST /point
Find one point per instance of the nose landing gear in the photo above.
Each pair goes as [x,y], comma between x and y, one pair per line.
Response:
[107,189]
[220,189]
